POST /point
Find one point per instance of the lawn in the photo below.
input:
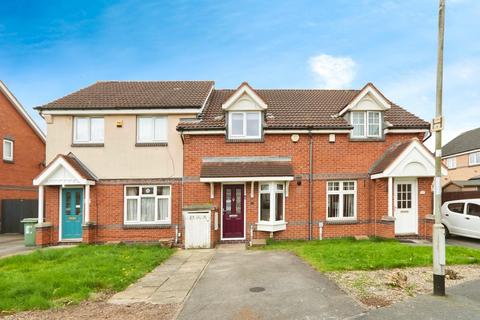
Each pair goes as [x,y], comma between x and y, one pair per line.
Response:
[57,277]
[350,254]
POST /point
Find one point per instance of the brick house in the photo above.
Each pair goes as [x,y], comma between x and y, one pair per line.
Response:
[23,152]
[135,161]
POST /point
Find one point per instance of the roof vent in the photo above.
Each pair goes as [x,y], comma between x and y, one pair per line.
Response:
[270,116]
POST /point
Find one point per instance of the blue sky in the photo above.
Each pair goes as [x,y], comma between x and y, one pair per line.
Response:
[51,48]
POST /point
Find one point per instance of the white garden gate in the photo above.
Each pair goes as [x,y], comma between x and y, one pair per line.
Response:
[197,229]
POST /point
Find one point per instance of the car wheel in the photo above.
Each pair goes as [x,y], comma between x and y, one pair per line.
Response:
[447,232]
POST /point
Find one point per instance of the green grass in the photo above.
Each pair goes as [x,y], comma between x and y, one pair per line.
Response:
[57,277]
[350,254]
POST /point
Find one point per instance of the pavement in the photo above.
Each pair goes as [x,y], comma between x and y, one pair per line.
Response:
[171,282]
[12,244]
[256,284]
[461,302]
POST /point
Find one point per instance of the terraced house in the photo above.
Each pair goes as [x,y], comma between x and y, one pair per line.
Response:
[181,160]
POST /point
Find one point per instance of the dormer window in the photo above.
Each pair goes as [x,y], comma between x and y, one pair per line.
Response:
[245,125]
[366,124]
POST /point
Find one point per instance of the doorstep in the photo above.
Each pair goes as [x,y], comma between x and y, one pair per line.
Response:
[171,282]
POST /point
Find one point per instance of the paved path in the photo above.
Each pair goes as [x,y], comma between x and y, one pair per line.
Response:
[11,244]
[461,302]
[255,284]
[170,282]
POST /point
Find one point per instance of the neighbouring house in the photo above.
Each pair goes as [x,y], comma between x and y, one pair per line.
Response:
[23,158]
[143,161]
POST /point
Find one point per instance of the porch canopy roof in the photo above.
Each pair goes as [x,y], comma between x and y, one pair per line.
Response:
[225,169]
[405,159]
[65,170]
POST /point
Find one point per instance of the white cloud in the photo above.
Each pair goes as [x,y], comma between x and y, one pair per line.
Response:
[333,72]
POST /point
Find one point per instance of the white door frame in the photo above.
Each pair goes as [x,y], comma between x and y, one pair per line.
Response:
[414,182]
[244,213]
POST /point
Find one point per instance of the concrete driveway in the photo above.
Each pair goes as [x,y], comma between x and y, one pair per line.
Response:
[11,244]
[249,284]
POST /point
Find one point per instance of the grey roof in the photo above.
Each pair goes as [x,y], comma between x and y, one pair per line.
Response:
[135,94]
[467,141]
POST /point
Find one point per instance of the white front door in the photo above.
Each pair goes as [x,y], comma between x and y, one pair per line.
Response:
[406,208]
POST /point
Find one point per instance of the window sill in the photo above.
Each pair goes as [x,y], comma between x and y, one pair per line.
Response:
[147,226]
[151,144]
[363,139]
[87,145]
[341,221]
[242,140]
[8,161]
[271,226]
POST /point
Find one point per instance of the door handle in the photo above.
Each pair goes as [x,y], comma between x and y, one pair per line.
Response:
[467,218]
[447,214]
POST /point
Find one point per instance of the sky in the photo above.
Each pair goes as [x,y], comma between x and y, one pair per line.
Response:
[51,48]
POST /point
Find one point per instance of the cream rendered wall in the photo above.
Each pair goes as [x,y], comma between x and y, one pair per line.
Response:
[119,158]
[463,170]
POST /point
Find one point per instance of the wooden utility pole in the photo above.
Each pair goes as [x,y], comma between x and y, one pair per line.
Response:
[438,229]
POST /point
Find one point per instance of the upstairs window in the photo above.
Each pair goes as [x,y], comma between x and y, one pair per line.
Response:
[7,150]
[244,125]
[152,129]
[88,130]
[366,124]
[474,158]
[451,163]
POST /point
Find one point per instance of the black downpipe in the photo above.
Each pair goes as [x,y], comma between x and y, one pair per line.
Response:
[310,184]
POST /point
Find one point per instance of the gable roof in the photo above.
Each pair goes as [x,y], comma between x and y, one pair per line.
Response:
[135,94]
[299,108]
[467,141]
[389,156]
[18,106]
[244,88]
[369,88]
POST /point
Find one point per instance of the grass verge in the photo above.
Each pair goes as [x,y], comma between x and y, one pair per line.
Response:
[350,254]
[57,277]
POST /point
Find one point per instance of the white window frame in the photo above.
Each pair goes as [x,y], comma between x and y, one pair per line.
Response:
[342,192]
[452,163]
[272,190]
[5,156]
[474,158]
[139,197]
[153,140]
[366,124]
[244,127]
[89,140]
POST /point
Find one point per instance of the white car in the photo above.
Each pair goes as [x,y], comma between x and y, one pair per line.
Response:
[462,217]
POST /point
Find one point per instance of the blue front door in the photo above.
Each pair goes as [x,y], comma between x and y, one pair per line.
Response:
[72,212]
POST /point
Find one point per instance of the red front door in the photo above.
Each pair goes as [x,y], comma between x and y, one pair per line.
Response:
[233,211]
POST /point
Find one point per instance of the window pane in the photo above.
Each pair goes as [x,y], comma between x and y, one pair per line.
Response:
[253,124]
[160,133]
[348,205]
[68,202]
[279,206]
[265,207]
[358,123]
[238,201]
[473,209]
[456,207]
[163,190]
[374,124]
[333,186]
[7,150]
[333,204]
[228,200]
[147,209]
[162,209]
[132,191]
[279,187]
[145,129]
[78,205]
[81,129]
[265,187]
[349,185]
[237,124]
[97,129]
[132,209]
[147,190]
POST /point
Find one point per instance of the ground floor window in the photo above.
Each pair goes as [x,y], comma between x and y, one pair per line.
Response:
[272,202]
[148,204]
[341,200]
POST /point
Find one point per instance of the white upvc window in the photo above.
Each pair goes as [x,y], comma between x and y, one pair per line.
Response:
[474,158]
[152,129]
[271,203]
[452,163]
[341,200]
[88,130]
[244,125]
[366,124]
[7,150]
[148,204]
